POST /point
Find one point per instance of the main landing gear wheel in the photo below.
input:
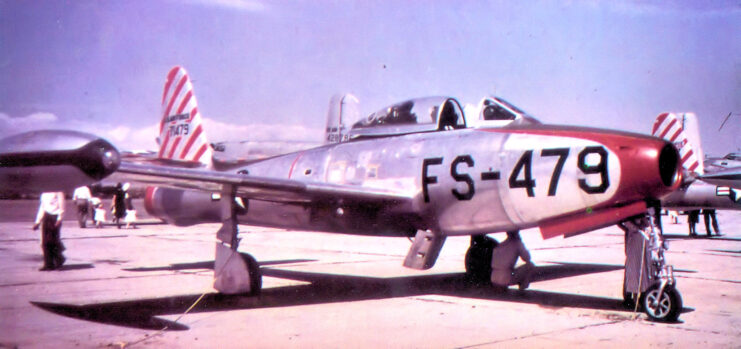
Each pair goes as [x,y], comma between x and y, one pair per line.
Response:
[253,268]
[664,307]
[478,258]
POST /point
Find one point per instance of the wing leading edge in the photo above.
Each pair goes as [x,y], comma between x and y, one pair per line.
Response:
[260,188]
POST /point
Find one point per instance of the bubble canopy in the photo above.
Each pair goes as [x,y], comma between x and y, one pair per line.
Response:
[411,116]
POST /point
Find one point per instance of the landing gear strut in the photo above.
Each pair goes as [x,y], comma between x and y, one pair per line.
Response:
[478,258]
[648,278]
[234,272]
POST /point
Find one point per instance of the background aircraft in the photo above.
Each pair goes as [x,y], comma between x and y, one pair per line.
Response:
[343,112]
[413,169]
[711,184]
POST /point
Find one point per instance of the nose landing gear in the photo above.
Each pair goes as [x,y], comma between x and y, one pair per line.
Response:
[662,303]
[647,276]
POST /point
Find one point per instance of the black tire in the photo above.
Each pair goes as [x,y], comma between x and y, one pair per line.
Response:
[629,300]
[665,309]
[253,268]
[478,258]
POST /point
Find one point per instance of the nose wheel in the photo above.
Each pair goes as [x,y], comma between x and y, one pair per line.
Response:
[662,305]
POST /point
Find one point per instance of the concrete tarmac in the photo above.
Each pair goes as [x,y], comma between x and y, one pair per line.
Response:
[131,288]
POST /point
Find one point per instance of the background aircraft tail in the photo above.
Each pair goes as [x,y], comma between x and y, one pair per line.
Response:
[182,137]
[343,113]
[682,130]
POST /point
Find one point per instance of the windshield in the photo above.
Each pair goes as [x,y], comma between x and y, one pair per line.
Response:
[493,111]
[510,106]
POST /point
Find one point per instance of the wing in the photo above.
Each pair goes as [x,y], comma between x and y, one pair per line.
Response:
[261,188]
[730,177]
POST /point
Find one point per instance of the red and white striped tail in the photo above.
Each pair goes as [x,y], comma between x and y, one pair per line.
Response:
[182,137]
[671,127]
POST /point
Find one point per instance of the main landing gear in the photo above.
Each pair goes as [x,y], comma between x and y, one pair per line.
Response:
[234,272]
[478,258]
[648,278]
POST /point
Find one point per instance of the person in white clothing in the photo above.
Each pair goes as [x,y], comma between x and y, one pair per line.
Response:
[98,212]
[82,196]
[504,258]
[130,218]
[49,218]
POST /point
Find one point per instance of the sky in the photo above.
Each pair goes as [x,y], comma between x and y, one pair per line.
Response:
[267,70]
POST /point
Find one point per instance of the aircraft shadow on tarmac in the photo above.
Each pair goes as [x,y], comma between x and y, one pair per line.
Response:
[76,266]
[137,223]
[210,265]
[332,288]
[699,237]
[727,251]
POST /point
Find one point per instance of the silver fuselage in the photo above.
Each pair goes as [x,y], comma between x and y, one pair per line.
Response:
[463,181]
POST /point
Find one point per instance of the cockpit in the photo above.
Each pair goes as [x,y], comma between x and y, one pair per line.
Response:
[412,116]
[436,114]
[497,112]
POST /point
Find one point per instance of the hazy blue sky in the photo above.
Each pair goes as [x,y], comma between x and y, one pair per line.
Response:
[258,67]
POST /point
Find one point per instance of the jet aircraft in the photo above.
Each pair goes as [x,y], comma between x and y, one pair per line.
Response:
[342,112]
[725,171]
[710,184]
[413,169]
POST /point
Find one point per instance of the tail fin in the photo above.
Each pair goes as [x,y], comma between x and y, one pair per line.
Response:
[682,130]
[182,137]
[343,113]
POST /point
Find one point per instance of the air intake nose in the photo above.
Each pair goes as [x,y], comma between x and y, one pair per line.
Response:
[669,165]
[650,169]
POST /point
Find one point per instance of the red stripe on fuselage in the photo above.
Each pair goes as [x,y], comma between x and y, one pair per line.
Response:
[293,164]
[582,222]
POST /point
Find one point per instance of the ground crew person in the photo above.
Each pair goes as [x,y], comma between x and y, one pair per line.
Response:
[504,258]
[49,218]
[82,196]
